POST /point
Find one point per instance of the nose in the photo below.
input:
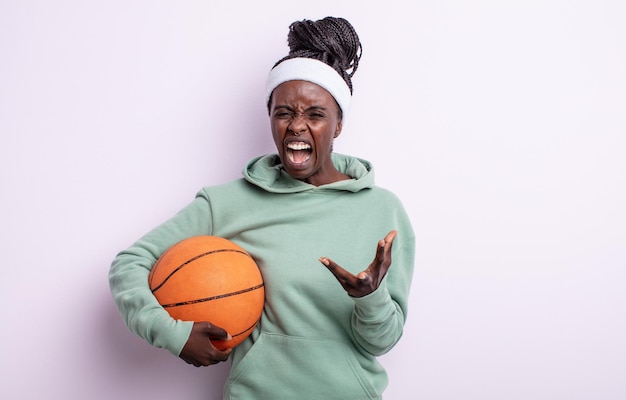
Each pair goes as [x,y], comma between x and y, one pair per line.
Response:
[297,125]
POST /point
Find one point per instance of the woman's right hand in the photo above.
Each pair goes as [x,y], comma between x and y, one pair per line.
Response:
[199,351]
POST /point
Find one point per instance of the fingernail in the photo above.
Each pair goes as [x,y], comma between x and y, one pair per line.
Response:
[324,261]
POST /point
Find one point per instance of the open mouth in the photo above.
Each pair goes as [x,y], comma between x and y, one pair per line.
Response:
[298,152]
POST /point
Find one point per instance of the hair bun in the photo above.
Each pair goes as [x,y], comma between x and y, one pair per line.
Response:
[331,40]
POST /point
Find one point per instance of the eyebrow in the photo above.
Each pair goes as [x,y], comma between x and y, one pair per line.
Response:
[312,108]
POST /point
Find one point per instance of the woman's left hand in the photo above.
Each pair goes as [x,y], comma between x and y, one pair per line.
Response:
[367,281]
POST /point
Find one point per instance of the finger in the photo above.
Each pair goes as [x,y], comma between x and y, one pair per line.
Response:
[217,333]
[382,259]
[384,246]
[340,273]
[365,278]
[390,237]
[191,362]
[222,355]
[379,257]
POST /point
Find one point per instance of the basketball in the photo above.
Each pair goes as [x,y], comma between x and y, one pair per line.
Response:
[210,279]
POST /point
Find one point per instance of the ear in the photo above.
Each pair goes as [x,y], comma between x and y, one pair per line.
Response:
[338,129]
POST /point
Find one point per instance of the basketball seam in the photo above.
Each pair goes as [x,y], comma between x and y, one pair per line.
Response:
[247,329]
[234,335]
[220,296]
[194,259]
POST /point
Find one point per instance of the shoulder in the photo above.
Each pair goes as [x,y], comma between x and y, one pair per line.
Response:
[231,190]
[384,195]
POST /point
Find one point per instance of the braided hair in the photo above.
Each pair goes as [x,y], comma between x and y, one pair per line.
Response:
[331,40]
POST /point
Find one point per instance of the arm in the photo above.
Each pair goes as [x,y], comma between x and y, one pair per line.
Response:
[128,280]
[380,304]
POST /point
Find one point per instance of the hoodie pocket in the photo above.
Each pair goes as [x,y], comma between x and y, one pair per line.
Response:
[287,367]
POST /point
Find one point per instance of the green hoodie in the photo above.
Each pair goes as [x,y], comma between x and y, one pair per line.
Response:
[313,340]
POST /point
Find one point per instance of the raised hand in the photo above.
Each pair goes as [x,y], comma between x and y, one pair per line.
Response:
[367,281]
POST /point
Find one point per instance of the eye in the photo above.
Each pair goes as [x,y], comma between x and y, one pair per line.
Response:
[316,115]
[282,114]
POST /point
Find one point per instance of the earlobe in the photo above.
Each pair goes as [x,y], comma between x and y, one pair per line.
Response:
[337,130]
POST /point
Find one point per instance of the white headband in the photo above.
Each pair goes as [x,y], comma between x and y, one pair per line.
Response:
[311,70]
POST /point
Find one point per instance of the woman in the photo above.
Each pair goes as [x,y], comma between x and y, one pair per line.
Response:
[296,212]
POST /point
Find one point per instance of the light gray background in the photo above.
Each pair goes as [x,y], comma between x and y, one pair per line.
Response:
[501,124]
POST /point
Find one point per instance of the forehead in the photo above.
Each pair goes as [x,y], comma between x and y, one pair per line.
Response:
[302,93]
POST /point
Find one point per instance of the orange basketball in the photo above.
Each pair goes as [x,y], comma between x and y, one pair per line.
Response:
[210,279]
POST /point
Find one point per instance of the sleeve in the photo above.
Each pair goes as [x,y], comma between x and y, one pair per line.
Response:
[378,318]
[128,277]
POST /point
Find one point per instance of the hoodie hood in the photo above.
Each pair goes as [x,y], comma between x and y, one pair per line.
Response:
[267,173]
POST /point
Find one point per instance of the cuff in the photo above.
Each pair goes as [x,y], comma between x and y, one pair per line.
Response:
[171,334]
[374,304]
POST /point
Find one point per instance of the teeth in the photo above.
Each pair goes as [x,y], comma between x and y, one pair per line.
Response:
[298,146]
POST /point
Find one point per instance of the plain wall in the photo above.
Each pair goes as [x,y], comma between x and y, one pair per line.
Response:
[501,125]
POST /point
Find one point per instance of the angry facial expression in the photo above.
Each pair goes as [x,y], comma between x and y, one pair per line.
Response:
[305,121]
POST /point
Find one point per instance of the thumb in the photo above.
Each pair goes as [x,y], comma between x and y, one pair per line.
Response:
[216,333]
[365,277]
